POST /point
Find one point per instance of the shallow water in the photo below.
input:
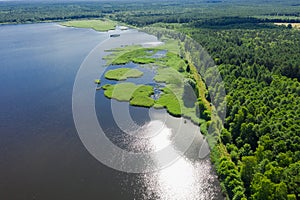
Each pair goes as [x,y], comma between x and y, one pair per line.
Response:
[42,156]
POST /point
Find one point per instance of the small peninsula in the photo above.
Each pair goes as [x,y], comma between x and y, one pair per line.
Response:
[96,24]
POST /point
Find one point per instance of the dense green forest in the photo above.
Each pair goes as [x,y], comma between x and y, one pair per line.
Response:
[257,156]
[261,71]
[140,13]
[258,150]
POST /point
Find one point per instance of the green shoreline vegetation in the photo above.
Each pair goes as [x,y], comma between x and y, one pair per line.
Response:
[121,74]
[96,24]
[171,70]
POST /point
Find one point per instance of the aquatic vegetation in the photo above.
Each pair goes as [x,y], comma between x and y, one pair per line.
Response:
[123,74]
[97,81]
[171,69]
[138,55]
[170,101]
[137,95]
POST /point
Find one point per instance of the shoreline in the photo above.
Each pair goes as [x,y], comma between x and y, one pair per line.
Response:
[101,25]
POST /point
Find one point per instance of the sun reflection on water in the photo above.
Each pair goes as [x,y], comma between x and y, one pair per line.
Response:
[182,180]
[157,134]
[187,178]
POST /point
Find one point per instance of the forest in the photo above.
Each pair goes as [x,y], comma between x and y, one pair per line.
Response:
[261,70]
[258,152]
[141,13]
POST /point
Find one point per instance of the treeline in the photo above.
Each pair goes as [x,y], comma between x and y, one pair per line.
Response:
[260,69]
[202,19]
[141,13]
[240,22]
[30,11]
[144,19]
[22,12]
[274,50]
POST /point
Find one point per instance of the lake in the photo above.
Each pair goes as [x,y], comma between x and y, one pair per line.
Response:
[43,157]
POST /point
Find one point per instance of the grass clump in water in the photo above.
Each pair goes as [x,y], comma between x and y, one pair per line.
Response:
[169,101]
[123,74]
[138,56]
[137,95]
[97,81]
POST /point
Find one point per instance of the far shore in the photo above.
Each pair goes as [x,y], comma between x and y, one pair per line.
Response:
[96,24]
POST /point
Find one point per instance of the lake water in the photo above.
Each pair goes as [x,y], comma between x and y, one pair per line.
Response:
[41,154]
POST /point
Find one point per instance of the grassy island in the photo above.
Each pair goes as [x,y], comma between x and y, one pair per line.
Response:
[123,74]
[97,25]
[169,101]
[134,54]
[137,95]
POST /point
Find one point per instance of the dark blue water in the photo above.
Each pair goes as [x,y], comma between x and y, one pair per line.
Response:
[41,155]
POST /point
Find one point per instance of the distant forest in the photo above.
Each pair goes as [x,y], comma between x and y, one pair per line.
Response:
[258,152]
[142,12]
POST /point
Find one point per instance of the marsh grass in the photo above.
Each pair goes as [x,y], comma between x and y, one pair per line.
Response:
[137,95]
[138,56]
[171,70]
[123,74]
